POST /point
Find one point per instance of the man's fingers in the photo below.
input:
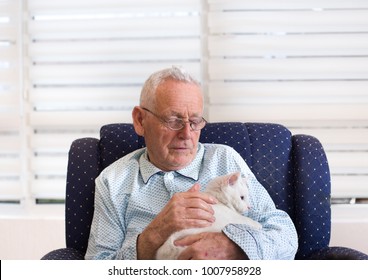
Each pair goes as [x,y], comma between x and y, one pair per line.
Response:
[187,240]
[194,192]
[199,217]
[198,204]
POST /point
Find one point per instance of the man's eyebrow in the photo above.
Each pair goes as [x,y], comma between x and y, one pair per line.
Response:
[175,114]
[180,116]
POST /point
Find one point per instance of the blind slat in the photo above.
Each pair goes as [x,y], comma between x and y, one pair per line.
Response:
[349,186]
[56,142]
[131,28]
[286,69]
[348,162]
[241,22]
[80,118]
[115,51]
[129,5]
[8,33]
[9,121]
[285,4]
[10,143]
[348,138]
[49,165]
[291,45]
[9,165]
[283,113]
[9,100]
[76,99]
[129,94]
[10,190]
[7,53]
[8,75]
[48,188]
[290,92]
[7,8]
[118,73]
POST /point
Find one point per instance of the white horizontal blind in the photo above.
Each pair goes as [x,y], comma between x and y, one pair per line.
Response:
[10,106]
[299,63]
[303,64]
[87,63]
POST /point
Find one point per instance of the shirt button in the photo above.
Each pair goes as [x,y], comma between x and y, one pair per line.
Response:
[170,176]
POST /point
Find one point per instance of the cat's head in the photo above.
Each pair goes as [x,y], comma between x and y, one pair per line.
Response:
[231,190]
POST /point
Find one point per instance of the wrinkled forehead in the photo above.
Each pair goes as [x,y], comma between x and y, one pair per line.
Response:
[179,97]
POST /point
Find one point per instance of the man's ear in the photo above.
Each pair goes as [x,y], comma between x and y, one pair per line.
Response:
[137,115]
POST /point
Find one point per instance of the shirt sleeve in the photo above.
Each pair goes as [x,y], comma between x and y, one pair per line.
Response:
[108,238]
[277,239]
[104,228]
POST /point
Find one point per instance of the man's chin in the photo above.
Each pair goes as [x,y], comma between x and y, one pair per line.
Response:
[180,164]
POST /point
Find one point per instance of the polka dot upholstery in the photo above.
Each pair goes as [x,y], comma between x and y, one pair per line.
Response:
[293,169]
[118,140]
[337,253]
[312,194]
[64,254]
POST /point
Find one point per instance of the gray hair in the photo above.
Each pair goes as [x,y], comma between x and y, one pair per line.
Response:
[175,73]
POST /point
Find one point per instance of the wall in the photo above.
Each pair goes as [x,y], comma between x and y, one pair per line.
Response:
[30,235]
[350,226]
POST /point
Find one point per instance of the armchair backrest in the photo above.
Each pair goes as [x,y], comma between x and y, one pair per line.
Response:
[293,169]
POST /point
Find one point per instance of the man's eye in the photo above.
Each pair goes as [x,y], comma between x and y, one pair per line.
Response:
[196,121]
[174,120]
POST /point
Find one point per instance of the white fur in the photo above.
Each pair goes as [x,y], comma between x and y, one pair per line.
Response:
[232,193]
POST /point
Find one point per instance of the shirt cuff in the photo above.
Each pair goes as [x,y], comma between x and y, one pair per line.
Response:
[129,249]
[244,239]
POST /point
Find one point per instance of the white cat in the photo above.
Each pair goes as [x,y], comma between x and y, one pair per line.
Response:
[232,193]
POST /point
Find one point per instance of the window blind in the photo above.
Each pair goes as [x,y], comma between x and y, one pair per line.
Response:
[10,103]
[68,67]
[303,64]
[87,63]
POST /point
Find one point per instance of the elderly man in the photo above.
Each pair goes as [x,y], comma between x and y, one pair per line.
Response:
[144,197]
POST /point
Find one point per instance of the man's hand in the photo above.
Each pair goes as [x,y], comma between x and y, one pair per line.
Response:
[184,210]
[210,246]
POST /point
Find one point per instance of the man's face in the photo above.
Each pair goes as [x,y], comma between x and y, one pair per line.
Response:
[173,149]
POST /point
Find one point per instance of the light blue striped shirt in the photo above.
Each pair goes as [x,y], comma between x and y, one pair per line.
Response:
[132,191]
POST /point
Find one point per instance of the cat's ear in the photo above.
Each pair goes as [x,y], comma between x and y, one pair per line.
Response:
[234,178]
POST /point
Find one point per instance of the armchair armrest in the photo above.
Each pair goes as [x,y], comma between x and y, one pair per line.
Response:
[338,253]
[312,195]
[64,254]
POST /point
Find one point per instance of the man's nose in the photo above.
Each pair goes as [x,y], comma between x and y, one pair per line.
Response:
[185,132]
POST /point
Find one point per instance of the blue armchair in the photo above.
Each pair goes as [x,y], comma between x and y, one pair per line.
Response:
[293,168]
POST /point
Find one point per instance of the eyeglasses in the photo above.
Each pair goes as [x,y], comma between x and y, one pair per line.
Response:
[177,123]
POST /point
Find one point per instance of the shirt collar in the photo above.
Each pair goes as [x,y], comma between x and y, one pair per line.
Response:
[147,169]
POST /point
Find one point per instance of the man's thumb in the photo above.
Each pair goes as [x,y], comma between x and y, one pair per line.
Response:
[195,188]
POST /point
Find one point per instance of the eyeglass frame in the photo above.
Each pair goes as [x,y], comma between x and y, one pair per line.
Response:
[166,123]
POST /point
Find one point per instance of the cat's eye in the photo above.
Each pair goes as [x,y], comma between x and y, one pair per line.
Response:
[242,197]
